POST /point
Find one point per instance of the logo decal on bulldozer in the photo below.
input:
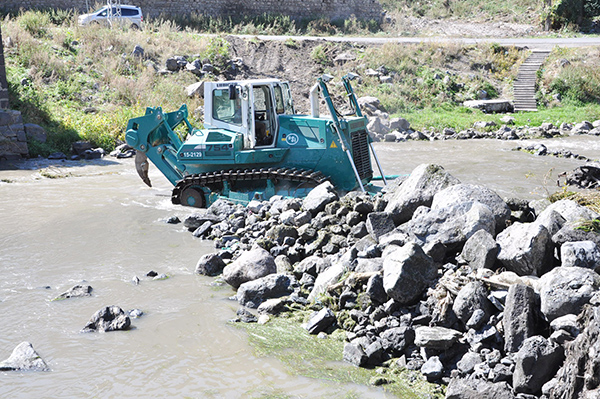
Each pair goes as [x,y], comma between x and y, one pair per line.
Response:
[292,139]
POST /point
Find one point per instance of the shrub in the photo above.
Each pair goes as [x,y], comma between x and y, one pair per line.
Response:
[35,22]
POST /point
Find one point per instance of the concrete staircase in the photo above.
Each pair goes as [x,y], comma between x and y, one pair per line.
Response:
[524,85]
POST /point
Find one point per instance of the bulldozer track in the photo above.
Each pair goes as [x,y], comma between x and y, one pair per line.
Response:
[213,180]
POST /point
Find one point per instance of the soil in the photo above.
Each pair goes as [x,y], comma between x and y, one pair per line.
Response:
[411,26]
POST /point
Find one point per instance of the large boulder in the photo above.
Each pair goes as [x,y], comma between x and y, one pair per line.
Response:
[255,292]
[521,316]
[210,265]
[397,339]
[535,364]
[379,223]
[109,318]
[451,226]
[460,388]
[24,358]
[579,377]
[581,254]
[460,193]
[524,248]
[417,190]
[328,277]
[438,338]
[252,264]
[570,210]
[564,290]
[319,197]
[320,321]
[480,250]
[407,272]
[471,297]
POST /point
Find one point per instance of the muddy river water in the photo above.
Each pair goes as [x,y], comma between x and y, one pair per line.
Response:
[102,226]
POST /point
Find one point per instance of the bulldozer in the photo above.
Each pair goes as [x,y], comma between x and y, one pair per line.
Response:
[253,144]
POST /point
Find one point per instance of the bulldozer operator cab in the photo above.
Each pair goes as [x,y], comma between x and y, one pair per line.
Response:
[250,108]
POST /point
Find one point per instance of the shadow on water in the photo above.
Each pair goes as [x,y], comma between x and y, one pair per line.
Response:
[43,163]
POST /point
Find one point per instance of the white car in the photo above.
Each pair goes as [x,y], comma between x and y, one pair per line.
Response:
[121,15]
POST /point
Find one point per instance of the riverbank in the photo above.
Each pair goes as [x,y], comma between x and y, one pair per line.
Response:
[432,276]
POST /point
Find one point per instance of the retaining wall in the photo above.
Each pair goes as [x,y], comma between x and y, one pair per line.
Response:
[332,9]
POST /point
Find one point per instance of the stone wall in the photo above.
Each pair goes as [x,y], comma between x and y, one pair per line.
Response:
[13,141]
[332,9]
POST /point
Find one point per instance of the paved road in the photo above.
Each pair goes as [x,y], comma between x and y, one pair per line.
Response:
[533,43]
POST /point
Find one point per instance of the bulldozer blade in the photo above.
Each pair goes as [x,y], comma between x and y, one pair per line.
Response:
[142,166]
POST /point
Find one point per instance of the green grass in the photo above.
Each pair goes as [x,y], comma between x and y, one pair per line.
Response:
[318,358]
[461,118]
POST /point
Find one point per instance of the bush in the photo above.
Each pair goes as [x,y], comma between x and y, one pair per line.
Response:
[580,84]
[35,22]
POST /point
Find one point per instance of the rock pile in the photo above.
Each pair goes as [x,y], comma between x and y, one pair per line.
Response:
[447,278]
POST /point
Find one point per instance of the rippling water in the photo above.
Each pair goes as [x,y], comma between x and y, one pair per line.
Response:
[102,226]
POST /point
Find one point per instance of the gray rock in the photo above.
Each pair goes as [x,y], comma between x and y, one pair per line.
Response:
[571,233]
[202,216]
[279,232]
[581,254]
[467,363]
[551,220]
[253,293]
[417,190]
[399,124]
[283,264]
[109,318]
[571,211]
[471,297]
[365,265]
[439,338]
[407,272]
[460,388]
[245,316]
[77,291]
[320,321]
[397,339]
[375,289]
[567,323]
[272,306]
[203,230]
[451,226]
[24,358]
[354,354]
[460,193]
[319,197]
[195,89]
[313,265]
[432,369]
[480,250]
[564,290]
[251,265]
[521,316]
[221,208]
[524,248]
[578,377]
[326,278]
[210,265]
[138,51]
[379,223]
[536,363]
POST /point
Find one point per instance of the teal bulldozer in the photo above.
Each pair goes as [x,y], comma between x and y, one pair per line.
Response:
[253,144]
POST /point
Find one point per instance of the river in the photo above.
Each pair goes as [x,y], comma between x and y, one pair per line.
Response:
[99,224]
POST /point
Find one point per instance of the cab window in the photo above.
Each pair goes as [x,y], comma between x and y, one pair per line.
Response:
[279,107]
[225,109]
